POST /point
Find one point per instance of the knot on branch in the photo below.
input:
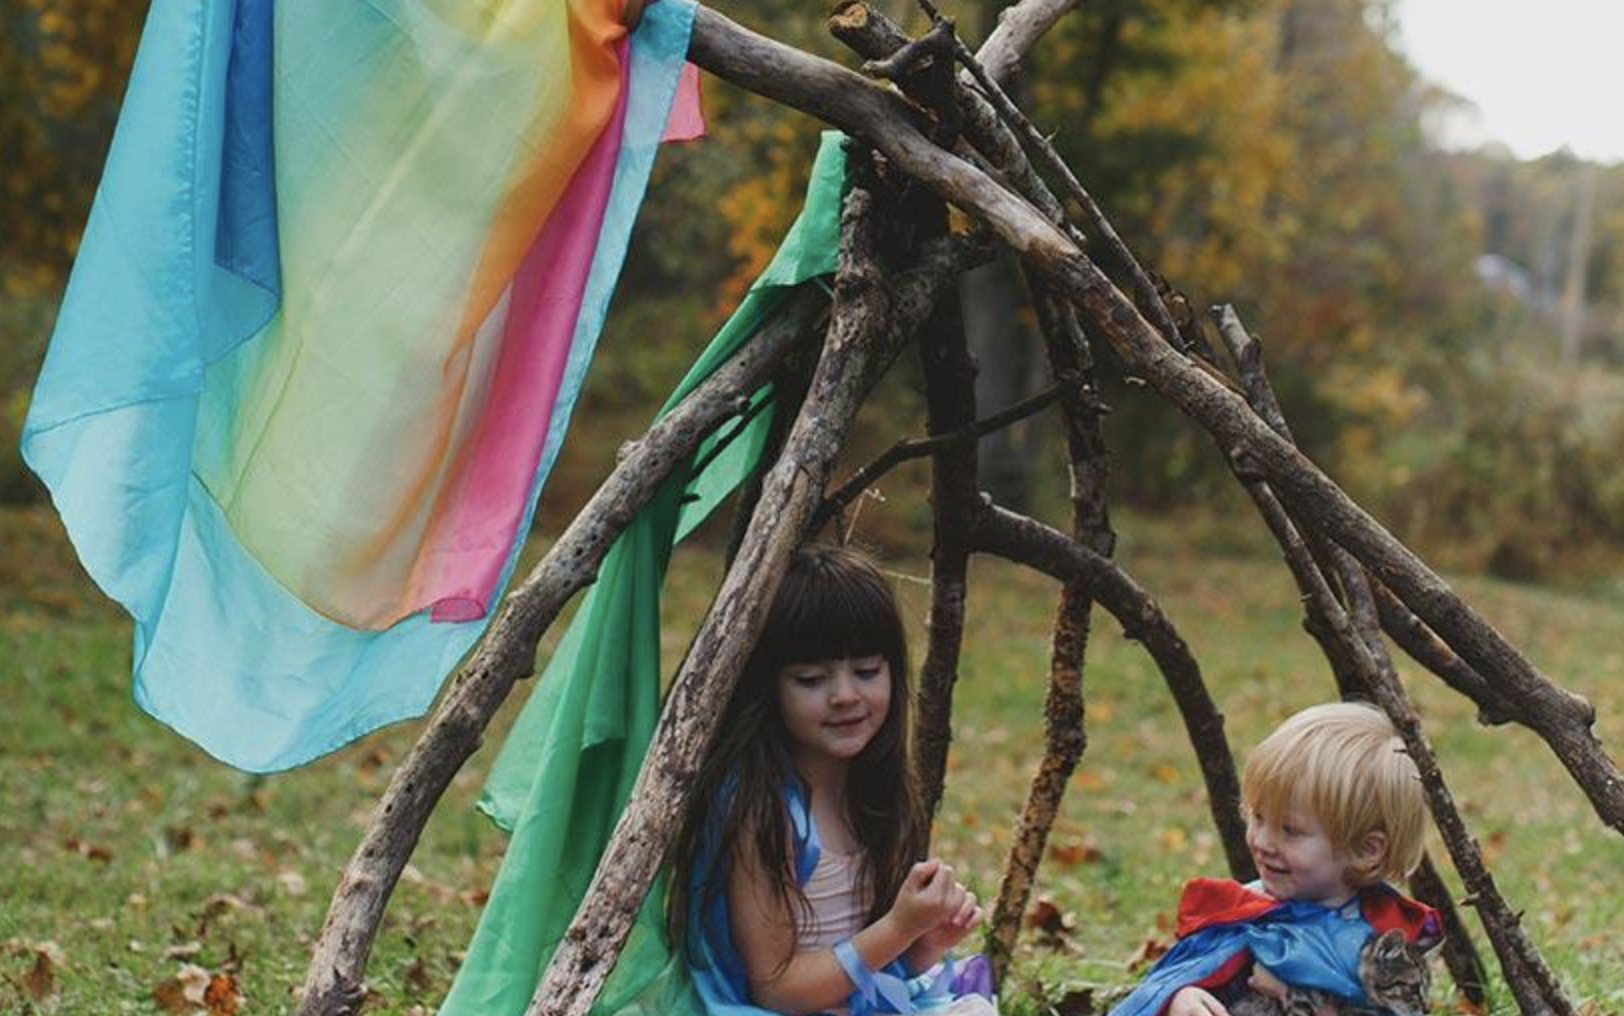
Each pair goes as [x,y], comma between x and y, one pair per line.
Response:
[928,57]
[1247,465]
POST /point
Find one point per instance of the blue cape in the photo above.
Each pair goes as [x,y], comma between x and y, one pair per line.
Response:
[1225,927]
[719,974]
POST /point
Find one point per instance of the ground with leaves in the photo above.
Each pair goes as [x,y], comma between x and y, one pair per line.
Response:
[142,877]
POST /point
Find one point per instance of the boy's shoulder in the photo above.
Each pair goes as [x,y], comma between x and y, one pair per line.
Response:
[1386,908]
[1206,902]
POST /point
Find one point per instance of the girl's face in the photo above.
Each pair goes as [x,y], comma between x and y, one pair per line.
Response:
[833,708]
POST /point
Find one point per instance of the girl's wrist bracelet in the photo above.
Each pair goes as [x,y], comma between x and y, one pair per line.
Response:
[856,968]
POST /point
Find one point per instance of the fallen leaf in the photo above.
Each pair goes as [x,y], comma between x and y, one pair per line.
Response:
[474,897]
[1091,779]
[222,996]
[39,983]
[1046,916]
[418,979]
[194,991]
[1075,852]
[1053,925]
[184,993]
[1173,839]
[214,908]
[1149,951]
[88,850]
[1163,772]
[180,839]
[183,951]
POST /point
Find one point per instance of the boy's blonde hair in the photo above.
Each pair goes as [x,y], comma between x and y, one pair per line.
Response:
[1345,764]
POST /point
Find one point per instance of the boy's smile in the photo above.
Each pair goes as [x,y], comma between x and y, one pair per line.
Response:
[1295,858]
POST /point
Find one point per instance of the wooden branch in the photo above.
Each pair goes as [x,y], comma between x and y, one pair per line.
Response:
[864,334]
[1380,607]
[1426,648]
[1368,671]
[1150,297]
[1065,737]
[860,107]
[875,37]
[1531,981]
[951,410]
[950,407]
[334,983]
[1310,561]
[1020,26]
[1045,549]
[1563,720]
[1460,955]
[910,448]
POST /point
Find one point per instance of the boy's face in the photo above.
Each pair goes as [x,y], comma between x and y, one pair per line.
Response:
[1295,858]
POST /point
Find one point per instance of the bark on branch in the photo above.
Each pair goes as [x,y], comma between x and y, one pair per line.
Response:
[910,448]
[1045,549]
[865,332]
[1357,664]
[334,983]
[847,100]
[1065,736]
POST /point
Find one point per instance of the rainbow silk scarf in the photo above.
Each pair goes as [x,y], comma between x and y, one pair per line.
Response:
[337,294]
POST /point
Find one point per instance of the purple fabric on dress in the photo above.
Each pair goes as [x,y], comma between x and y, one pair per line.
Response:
[973,976]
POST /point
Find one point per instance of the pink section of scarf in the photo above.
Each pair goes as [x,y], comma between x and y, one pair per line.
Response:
[687,118]
[475,522]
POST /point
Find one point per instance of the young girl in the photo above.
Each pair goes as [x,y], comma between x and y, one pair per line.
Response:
[795,888]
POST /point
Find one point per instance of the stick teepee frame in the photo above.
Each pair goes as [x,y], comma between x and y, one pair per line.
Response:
[945,133]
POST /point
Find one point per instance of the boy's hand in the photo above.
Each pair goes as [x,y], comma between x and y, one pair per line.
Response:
[928,897]
[1195,1002]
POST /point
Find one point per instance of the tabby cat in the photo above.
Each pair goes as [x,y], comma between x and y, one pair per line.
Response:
[1395,978]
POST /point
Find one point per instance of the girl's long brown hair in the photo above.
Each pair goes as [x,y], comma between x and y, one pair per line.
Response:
[833,604]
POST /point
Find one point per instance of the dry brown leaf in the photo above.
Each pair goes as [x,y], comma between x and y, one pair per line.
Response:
[40,982]
[88,850]
[1149,951]
[1091,779]
[1173,839]
[222,996]
[418,979]
[214,908]
[1467,1007]
[184,993]
[1075,852]
[1045,915]
[194,991]
[474,897]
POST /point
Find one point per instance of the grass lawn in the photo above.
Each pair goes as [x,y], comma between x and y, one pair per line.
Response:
[125,853]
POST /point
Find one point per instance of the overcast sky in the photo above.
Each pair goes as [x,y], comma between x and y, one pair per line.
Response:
[1541,75]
